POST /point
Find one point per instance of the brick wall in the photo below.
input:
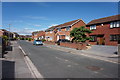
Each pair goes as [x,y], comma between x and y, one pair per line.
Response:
[49,42]
[79,24]
[79,46]
[1,33]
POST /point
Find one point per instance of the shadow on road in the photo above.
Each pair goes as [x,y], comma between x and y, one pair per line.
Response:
[8,70]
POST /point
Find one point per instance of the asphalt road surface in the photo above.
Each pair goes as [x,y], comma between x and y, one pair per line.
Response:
[53,63]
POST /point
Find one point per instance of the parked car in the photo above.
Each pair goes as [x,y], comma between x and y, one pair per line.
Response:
[62,40]
[37,42]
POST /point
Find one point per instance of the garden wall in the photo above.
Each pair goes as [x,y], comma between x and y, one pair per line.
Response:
[49,42]
[79,46]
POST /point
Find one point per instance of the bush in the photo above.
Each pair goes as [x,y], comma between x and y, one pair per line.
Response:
[22,38]
[29,39]
[43,40]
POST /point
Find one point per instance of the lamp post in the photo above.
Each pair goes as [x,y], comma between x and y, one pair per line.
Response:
[9,31]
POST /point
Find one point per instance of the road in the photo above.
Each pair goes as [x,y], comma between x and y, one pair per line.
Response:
[53,63]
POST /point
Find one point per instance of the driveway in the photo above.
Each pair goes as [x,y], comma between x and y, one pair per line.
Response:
[102,50]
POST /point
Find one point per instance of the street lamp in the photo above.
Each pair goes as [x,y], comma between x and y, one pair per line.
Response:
[9,31]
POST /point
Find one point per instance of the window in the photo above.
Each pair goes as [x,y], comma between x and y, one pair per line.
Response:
[101,24]
[114,37]
[67,28]
[115,24]
[94,38]
[59,29]
[46,32]
[67,37]
[51,31]
[92,27]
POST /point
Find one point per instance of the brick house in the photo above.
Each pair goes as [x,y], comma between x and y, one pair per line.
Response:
[63,30]
[50,33]
[1,33]
[106,31]
[4,32]
[41,35]
[38,35]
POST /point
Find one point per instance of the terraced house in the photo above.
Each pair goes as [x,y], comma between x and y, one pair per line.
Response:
[106,31]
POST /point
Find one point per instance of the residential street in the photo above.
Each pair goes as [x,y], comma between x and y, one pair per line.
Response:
[53,63]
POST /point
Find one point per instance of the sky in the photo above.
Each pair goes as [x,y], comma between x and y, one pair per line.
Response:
[26,17]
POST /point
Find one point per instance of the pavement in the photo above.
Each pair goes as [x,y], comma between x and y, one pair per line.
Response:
[61,62]
[14,65]
[106,53]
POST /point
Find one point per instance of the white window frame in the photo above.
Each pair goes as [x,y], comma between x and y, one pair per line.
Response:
[92,27]
[115,24]
[59,29]
[111,25]
[51,31]
[118,24]
[67,28]
[67,37]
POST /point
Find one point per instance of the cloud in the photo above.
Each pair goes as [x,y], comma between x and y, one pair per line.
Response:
[43,4]
[15,21]
[52,25]
[0,25]
[37,25]
[36,17]
[27,31]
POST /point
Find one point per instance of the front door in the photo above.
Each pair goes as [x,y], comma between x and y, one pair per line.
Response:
[100,40]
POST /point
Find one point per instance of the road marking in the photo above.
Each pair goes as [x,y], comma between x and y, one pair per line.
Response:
[68,65]
[95,72]
[36,74]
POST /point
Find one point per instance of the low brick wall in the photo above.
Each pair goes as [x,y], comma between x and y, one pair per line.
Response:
[78,46]
[50,42]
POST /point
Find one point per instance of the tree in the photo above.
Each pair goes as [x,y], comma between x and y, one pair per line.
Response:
[79,34]
[5,37]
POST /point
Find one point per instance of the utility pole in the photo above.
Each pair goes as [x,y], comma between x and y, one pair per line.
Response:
[9,31]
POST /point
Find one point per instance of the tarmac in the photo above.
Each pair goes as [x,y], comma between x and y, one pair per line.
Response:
[101,52]
[14,63]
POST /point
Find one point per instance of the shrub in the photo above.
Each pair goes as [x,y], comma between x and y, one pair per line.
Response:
[43,40]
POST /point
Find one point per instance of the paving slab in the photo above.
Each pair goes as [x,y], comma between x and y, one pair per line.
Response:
[13,65]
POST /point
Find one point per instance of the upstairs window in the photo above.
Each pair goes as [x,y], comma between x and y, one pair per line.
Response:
[92,27]
[115,24]
[67,28]
[59,29]
[51,31]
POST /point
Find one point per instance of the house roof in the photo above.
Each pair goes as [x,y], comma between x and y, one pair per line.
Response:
[68,23]
[104,20]
[64,24]
[51,28]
